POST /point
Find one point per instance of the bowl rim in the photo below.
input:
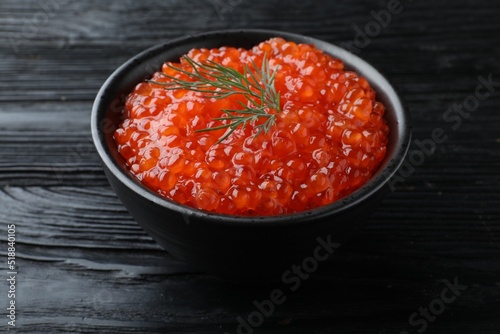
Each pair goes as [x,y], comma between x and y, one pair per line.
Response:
[374,184]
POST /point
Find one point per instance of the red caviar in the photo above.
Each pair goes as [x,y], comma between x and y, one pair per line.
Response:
[328,139]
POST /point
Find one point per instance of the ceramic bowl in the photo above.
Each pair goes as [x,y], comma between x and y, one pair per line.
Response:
[234,246]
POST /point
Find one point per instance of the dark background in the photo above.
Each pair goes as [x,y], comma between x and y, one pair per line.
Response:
[85,266]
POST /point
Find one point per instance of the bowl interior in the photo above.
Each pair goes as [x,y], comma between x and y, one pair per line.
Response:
[107,114]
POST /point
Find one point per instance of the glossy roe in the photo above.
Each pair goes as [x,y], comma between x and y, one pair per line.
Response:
[328,139]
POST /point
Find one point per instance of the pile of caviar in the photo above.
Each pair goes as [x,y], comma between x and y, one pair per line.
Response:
[328,139]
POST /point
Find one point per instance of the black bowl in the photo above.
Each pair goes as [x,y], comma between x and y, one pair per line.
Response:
[233,246]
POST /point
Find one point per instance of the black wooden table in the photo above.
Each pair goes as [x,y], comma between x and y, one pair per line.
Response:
[427,261]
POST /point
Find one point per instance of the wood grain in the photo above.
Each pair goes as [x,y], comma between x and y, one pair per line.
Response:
[86,266]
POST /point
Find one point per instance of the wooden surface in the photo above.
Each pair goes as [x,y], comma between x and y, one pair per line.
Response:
[85,266]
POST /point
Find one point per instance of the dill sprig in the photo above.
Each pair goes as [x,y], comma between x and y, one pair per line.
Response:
[217,81]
